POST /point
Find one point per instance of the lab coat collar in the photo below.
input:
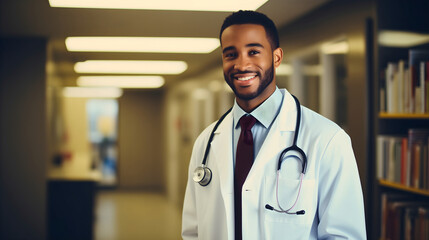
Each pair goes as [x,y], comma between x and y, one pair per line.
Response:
[264,113]
[287,115]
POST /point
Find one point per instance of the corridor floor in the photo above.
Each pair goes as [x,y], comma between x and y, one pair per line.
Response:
[135,215]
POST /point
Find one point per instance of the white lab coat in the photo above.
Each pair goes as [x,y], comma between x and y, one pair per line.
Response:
[331,193]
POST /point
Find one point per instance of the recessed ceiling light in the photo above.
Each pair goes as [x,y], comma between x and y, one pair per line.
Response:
[401,39]
[92,92]
[187,5]
[121,81]
[142,44]
[130,67]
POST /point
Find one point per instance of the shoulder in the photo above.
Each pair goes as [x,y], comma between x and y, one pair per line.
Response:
[321,130]
[205,134]
[330,142]
[318,123]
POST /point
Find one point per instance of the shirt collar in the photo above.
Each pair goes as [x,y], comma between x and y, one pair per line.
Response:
[264,113]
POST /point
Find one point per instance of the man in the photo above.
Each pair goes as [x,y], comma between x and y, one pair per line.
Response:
[245,200]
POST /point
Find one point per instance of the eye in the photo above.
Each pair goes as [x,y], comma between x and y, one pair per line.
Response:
[253,52]
[230,55]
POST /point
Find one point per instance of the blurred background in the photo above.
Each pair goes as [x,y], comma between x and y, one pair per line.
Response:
[101,101]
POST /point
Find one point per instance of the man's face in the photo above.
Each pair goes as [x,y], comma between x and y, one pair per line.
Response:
[248,61]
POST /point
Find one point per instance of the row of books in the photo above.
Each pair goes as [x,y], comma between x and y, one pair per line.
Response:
[404,85]
[404,218]
[404,159]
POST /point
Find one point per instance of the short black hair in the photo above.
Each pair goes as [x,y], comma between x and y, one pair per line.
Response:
[252,17]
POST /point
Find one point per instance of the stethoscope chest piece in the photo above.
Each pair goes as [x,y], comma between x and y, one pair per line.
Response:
[202,175]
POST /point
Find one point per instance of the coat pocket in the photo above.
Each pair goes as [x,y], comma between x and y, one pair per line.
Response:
[287,196]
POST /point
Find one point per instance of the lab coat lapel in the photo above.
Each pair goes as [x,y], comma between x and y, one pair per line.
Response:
[221,148]
[281,132]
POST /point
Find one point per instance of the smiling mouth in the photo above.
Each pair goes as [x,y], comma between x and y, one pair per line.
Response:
[245,78]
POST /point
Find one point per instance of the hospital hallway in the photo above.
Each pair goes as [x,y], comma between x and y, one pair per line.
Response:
[129,215]
[101,103]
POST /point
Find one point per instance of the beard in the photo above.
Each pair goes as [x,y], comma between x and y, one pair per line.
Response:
[268,77]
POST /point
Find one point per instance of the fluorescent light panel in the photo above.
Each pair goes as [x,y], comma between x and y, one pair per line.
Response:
[142,44]
[92,92]
[284,70]
[401,39]
[121,81]
[307,70]
[186,5]
[335,48]
[130,67]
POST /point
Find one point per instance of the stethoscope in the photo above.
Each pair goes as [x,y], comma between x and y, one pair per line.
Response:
[203,174]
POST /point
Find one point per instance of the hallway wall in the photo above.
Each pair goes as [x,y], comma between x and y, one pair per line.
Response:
[23,138]
[141,148]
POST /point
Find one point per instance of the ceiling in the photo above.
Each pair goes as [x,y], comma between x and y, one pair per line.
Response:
[37,18]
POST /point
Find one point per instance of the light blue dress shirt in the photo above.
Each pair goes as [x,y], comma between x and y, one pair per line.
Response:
[264,114]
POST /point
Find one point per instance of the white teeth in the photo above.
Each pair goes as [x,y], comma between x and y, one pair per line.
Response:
[245,78]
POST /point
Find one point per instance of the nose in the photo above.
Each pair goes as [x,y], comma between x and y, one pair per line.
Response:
[242,63]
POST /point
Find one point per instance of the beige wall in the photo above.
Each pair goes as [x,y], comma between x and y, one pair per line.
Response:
[141,148]
[75,139]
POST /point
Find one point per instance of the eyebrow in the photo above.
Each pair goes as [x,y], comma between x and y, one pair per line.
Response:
[227,49]
[254,45]
[248,45]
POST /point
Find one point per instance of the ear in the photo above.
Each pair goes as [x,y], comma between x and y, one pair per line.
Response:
[277,57]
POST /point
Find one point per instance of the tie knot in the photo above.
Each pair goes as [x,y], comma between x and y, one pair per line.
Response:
[247,122]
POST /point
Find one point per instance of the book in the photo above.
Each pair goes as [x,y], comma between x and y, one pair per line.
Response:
[391,158]
[392,87]
[404,159]
[418,146]
[416,57]
[422,101]
[404,85]
[382,95]
[403,217]
[426,80]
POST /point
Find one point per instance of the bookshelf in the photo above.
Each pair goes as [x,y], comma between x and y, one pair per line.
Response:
[400,187]
[384,115]
[399,204]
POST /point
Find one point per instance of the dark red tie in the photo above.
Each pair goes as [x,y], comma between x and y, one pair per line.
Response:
[243,163]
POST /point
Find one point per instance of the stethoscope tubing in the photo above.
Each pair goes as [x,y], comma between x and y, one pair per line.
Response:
[297,196]
[206,153]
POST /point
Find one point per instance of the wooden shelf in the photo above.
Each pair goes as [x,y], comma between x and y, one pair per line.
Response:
[403,115]
[401,187]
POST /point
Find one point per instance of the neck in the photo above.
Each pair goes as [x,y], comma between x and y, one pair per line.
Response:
[252,104]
